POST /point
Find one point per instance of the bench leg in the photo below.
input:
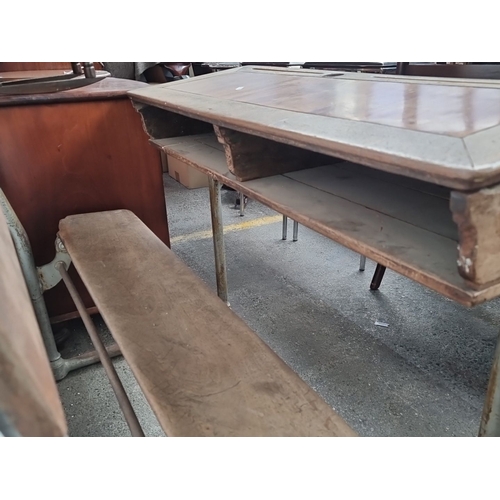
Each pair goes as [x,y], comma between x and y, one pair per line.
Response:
[218,237]
[490,419]
[116,384]
[60,366]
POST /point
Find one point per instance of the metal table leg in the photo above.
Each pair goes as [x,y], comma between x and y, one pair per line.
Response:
[214,187]
[242,204]
[285,227]
[295,230]
[377,277]
[490,419]
[362,262]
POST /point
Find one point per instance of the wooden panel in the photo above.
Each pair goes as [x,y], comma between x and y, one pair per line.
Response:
[67,158]
[28,392]
[478,217]
[28,66]
[392,226]
[109,88]
[204,372]
[405,203]
[250,157]
[400,126]
[160,123]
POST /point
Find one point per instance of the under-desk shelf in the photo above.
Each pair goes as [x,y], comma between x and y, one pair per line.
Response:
[403,224]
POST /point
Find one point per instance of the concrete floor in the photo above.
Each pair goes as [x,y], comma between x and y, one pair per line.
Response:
[423,375]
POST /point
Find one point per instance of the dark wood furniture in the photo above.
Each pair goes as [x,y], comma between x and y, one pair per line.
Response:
[39,66]
[471,70]
[405,171]
[77,151]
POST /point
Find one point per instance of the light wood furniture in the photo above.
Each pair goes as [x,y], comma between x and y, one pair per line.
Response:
[203,371]
[399,169]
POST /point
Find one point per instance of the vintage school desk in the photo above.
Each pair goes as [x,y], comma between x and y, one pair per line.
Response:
[404,170]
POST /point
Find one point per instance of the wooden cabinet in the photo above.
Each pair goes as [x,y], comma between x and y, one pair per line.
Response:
[77,151]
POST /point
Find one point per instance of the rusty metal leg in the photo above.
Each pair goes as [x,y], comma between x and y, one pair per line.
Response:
[285,228]
[242,204]
[218,237]
[30,273]
[377,277]
[490,419]
[60,366]
[362,262]
[116,384]
[295,230]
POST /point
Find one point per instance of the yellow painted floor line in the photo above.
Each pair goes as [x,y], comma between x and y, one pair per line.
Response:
[240,226]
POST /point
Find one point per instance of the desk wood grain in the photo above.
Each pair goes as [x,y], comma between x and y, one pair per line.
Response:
[438,132]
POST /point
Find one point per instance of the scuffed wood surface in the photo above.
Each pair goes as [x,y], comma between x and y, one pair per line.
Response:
[251,157]
[203,371]
[429,130]
[28,392]
[478,218]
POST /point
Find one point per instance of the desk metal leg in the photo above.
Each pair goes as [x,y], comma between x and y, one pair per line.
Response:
[377,277]
[490,419]
[218,237]
[242,204]
[362,262]
[285,227]
[295,230]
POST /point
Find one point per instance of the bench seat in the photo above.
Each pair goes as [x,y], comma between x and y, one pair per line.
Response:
[202,369]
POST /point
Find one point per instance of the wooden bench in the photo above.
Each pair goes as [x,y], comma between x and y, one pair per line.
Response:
[202,369]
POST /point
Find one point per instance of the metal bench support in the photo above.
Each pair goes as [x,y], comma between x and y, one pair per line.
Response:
[60,366]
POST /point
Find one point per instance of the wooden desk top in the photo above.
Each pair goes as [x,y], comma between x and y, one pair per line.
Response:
[444,132]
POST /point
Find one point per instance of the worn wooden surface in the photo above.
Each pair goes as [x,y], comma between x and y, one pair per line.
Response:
[28,392]
[59,159]
[478,218]
[204,372]
[252,157]
[109,88]
[408,127]
[399,222]
[19,75]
